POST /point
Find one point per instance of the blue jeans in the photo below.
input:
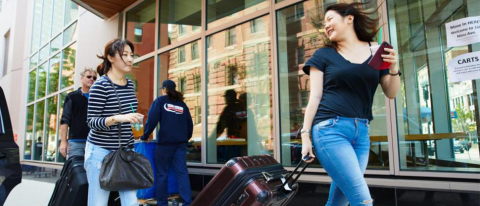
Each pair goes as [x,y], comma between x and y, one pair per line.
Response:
[97,196]
[76,148]
[342,146]
[175,156]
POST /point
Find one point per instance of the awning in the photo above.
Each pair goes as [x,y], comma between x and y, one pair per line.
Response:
[104,8]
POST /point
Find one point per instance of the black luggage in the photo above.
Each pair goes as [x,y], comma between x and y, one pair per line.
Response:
[72,187]
[250,181]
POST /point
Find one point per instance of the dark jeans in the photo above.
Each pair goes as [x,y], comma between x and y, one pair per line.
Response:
[175,156]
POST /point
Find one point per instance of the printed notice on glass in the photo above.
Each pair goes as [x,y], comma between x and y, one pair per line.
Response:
[464,67]
[463,31]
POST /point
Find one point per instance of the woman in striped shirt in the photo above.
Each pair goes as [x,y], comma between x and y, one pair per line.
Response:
[104,118]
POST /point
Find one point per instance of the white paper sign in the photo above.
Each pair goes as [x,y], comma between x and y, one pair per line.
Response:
[463,31]
[464,67]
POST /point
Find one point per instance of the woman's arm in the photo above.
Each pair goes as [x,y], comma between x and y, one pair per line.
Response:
[96,105]
[391,84]
[316,93]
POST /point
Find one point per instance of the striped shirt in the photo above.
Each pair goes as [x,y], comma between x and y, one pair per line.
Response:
[103,103]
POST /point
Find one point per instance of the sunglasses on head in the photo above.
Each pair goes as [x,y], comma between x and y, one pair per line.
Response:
[90,76]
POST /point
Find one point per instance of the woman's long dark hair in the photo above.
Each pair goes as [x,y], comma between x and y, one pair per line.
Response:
[364,25]
[174,95]
[112,47]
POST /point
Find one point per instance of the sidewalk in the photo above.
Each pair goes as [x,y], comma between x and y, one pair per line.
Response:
[31,192]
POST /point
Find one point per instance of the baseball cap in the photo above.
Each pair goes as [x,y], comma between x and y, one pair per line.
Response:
[169,84]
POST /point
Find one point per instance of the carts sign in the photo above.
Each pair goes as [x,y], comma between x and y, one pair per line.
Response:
[463,31]
[464,67]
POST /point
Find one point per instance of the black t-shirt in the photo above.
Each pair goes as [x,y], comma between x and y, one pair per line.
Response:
[348,88]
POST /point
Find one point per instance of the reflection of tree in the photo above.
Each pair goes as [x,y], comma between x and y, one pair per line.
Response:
[42,81]
[53,76]
[465,119]
[68,66]
[31,85]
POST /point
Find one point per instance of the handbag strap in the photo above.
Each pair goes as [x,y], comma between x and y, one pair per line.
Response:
[119,112]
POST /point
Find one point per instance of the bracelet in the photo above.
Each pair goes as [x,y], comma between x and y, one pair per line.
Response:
[396,74]
[305,131]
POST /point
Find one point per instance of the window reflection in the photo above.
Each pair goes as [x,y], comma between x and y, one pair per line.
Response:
[142,75]
[51,129]
[223,11]
[54,74]
[239,94]
[38,133]
[187,77]
[68,68]
[179,20]
[32,80]
[42,80]
[29,133]
[299,36]
[140,27]
[437,120]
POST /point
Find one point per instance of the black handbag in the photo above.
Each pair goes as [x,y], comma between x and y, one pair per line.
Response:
[124,169]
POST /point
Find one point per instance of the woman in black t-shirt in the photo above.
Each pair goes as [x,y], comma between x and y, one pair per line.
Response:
[340,105]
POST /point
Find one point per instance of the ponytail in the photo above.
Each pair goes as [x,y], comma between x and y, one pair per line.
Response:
[174,95]
[113,47]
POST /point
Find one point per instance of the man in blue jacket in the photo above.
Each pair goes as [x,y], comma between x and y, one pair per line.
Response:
[176,128]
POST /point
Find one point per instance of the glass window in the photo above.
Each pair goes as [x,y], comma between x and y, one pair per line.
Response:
[46,21]
[29,133]
[222,11]
[181,54]
[57,24]
[256,25]
[142,75]
[70,34]
[32,81]
[239,103]
[198,83]
[37,26]
[38,133]
[195,51]
[179,20]
[51,129]
[437,126]
[60,158]
[42,80]
[54,74]
[68,68]
[44,53]
[231,37]
[140,27]
[298,39]
[71,12]
[34,61]
[56,44]
[185,75]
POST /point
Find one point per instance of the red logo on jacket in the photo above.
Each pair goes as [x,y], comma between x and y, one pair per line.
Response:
[173,108]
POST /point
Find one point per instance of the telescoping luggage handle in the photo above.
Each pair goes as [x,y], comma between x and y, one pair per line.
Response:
[286,185]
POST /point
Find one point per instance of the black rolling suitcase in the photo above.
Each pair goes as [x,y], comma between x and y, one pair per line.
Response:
[72,187]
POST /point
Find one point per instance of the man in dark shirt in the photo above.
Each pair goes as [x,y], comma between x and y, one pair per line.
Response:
[74,117]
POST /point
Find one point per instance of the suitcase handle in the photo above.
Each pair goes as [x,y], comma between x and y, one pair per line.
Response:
[298,175]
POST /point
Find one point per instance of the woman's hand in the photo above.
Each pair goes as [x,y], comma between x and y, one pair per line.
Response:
[392,58]
[307,147]
[134,118]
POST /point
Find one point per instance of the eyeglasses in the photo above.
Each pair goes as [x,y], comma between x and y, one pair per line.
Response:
[90,76]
